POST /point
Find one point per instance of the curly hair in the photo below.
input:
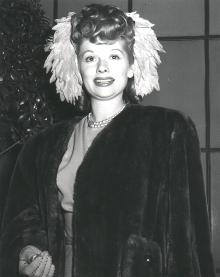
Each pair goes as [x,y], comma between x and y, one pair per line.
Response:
[106,23]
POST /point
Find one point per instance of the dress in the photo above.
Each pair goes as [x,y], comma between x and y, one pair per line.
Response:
[139,200]
[78,145]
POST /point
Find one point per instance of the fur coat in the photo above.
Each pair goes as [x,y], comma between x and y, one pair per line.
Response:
[139,200]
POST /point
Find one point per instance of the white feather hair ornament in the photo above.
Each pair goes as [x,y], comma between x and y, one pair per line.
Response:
[146,57]
[62,60]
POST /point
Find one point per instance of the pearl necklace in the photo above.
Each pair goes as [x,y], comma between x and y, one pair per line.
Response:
[101,123]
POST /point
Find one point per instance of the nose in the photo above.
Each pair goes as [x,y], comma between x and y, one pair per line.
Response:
[102,66]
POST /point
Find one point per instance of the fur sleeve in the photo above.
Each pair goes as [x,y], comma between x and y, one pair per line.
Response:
[199,211]
[189,247]
[22,223]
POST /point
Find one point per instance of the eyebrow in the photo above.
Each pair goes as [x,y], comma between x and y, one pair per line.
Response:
[116,49]
[84,52]
[91,51]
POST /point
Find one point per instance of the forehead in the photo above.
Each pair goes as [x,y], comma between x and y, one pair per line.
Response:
[99,45]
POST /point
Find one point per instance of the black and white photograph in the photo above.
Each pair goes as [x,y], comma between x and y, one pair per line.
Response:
[109,138]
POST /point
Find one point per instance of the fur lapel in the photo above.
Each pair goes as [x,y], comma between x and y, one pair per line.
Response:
[121,167]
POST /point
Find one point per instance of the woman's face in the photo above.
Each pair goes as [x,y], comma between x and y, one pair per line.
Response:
[105,68]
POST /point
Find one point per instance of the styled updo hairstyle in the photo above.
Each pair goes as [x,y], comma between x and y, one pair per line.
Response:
[98,22]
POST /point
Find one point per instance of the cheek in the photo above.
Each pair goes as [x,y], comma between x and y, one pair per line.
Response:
[122,69]
[86,73]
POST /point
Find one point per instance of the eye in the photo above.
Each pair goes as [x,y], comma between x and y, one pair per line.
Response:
[89,59]
[115,57]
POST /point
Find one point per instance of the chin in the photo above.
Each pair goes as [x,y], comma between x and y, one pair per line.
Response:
[104,98]
[108,97]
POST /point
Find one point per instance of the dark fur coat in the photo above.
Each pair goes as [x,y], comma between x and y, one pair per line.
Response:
[139,201]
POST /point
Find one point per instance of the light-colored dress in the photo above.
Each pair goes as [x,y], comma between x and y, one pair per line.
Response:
[81,139]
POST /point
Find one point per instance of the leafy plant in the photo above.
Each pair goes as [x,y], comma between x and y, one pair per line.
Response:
[24,86]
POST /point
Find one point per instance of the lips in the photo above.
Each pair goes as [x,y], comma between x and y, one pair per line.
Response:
[103,82]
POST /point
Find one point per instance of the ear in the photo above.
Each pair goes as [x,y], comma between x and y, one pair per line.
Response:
[130,73]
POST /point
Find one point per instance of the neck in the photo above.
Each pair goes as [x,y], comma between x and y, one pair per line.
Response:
[104,109]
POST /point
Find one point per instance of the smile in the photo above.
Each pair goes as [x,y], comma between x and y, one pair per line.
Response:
[103,82]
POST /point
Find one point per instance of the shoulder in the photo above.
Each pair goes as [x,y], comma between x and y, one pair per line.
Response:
[159,116]
[160,123]
[48,139]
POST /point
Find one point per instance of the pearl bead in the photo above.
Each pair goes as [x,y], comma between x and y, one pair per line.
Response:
[101,123]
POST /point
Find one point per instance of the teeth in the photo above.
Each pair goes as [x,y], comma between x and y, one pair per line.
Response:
[103,81]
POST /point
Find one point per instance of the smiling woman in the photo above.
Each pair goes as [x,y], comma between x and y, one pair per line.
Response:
[119,192]
[105,70]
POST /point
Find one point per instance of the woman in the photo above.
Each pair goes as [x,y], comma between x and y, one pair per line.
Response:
[120,191]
